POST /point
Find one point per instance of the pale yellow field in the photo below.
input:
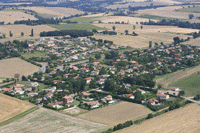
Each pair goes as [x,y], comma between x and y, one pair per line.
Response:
[11,16]
[17,29]
[193,42]
[10,107]
[12,66]
[157,34]
[115,114]
[183,120]
[46,120]
[168,12]
[1,80]
[57,11]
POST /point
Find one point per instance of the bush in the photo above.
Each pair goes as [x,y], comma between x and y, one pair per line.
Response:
[150,116]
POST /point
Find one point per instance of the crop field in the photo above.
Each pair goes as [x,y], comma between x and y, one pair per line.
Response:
[11,16]
[191,9]
[193,42]
[45,120]
[169,12]
[115,114]
[54,11]
[10,107]
[148,33]
[12,66]
[183,120]
[17,29]
[35,54]
[190,84]
[189,76]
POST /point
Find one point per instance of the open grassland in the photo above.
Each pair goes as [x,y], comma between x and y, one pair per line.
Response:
[115,114]
[17,29]
[191,9]
[35,54]
[83,23]
[12,16]
[157,34]
[190,84]
[12,66]
[169,12]
[188,75]
[193,42]
[44,120]
[183,120]
[2,79]
[10,107]
[54,11]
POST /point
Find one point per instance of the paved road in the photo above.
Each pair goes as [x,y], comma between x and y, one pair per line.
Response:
[189,99]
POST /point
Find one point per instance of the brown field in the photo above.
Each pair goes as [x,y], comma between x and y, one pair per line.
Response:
[10,107]
[12,66]
[193,42]
[115,114]
[183,120]
[157,34]
[45,120]
[56,11]
[17,29]
[169,78]
[168,12]
[11,16]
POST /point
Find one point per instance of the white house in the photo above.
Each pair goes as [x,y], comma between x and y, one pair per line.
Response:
[35,84]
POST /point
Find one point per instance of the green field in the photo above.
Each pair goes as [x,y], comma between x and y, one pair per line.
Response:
[40,87]
[35,54]
[83,23]
[155,17]
[190,84]
[192,9]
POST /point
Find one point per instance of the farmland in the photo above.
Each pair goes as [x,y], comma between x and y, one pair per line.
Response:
[157,34]
[11,107]
[193,42]
[192,9]
[11,16]
[189,84]
[54,11]
[12,66]
[44,120]
[115,114]
[184,120]
[35,54]
[17,29]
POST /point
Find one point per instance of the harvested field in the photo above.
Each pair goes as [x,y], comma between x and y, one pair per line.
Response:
[12,66]
[157,34]
[44,120]
[193,42]
[12,16]
[1,80]
[56,11]
[115,114]
[168,12]
[173,77]
[183,120]
[17,29]
[10,107]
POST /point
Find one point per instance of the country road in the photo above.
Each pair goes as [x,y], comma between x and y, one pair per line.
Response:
[189,99]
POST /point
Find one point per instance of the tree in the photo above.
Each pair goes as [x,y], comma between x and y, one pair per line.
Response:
[159,86]
[98,56]
[24,78]
[11,34]
[4,36]
[156,44]
[133,27]
[102,71]
[191,16]
[150,44]
[113,28]
[22,33]
[141,27]
[31,32]
[150,116]
[126,32]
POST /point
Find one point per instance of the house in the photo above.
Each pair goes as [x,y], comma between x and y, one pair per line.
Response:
[52,72]
[7,90]
[85,69]
[31,94]
[104,75]
[39,100]
[131,96]
[172,92]
[85,94]
[162,96]
[142,91]
[19,86]
[35,84]
[93,104]
[84,64]
[56,104]
[48,90]
[107,98]
[19,92]
[68,99]
[153,101]
[57,81]
[48,95]
[94,73]
[88,80]
[174,89]
[100,81]
[28,89]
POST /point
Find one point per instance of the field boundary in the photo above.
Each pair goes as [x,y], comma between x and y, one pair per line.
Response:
[19,116]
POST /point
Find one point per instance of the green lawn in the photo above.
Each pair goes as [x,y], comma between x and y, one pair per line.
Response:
[42,86]
[35,54]
[155,17]
[83,23]
[192,9]
[190,84]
